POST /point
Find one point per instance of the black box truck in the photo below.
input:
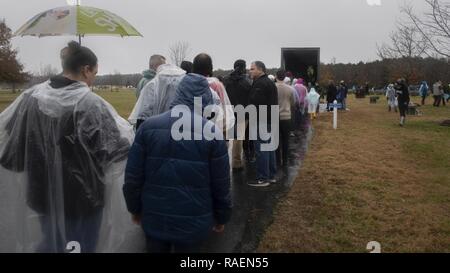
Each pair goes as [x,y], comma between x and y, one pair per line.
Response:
[302,62]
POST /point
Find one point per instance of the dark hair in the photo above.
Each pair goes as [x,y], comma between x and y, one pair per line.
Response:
[240,66]
[281,74]
[186,66]
[203,65]
[260,65]
[77,57]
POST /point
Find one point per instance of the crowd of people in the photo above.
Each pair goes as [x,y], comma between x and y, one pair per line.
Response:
[398,96]
[72,169]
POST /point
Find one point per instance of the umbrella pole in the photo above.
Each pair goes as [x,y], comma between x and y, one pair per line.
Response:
[79,36]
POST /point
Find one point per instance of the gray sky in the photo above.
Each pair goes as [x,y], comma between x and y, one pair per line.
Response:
[226,29]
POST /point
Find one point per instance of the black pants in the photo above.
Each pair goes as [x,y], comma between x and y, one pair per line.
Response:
[283,147]
[402,107]
[248,145]
[158,246]
[423,100]
[437,101]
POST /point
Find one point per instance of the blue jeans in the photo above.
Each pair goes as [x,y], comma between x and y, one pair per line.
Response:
[266,162]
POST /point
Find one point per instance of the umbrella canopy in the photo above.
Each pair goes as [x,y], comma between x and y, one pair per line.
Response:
[77,20]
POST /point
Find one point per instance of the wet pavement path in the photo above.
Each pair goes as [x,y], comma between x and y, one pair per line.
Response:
[253,206]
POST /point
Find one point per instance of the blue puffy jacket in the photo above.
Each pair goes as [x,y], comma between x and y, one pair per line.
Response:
[180,188]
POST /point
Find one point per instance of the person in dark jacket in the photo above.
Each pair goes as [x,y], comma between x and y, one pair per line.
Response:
[263,93]
[331,95]
[187,66]
[178,190]
[342,95]
[238,88]
[402,91]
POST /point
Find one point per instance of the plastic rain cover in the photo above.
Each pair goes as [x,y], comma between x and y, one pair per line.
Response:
[157,95]
[62,158]
[313,100]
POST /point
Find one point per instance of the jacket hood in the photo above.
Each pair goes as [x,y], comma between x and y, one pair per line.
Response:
[149,74]
[170,70]
[193,85]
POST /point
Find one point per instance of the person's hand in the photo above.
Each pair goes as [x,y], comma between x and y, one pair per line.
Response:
[136,219]
[219,228]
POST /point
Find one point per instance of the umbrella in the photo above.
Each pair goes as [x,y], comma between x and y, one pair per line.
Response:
[77,20]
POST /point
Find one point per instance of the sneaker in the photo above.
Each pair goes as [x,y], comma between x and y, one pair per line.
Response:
[272,181]
[259,183]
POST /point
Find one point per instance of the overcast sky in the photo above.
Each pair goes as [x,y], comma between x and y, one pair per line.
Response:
[226,29]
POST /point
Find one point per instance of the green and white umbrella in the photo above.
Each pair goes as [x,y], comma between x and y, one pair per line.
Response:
[77,20]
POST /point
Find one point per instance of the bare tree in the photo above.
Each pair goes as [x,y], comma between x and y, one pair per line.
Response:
[405,42]
[179,52]
[47,71]
[433,25]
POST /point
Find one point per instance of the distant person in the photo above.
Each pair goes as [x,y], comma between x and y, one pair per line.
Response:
[263,93]
[331,95]
[286,80]
[343,93]
[148,75]
[313,99]
[403,99]
[63,149]
[238,88]
[187,66]
[158,94]
[447,94]
[178,191]
[366,89]
[391,96]
[286,103]
[437,93]
[423,91]
[302,92]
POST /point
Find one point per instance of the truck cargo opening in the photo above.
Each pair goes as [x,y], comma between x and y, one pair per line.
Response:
[302,62]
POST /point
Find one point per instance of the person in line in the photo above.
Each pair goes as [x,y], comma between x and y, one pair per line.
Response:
[301,92]
[62,154]
[313,99]
[178,191]
[148,75]
[157,95]
[203,65]
[187,66]
[238,88]
[286,103]
[263,93]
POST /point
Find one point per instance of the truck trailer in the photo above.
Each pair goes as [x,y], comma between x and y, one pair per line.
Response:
[302,62]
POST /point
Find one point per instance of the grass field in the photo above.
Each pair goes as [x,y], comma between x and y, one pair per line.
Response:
[370,180]
[122,100]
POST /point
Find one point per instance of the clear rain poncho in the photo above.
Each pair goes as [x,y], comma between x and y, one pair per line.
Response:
[157,95]
[313,101]
[62,158]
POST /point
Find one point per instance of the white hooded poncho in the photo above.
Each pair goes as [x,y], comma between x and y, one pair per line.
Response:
[62,158]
